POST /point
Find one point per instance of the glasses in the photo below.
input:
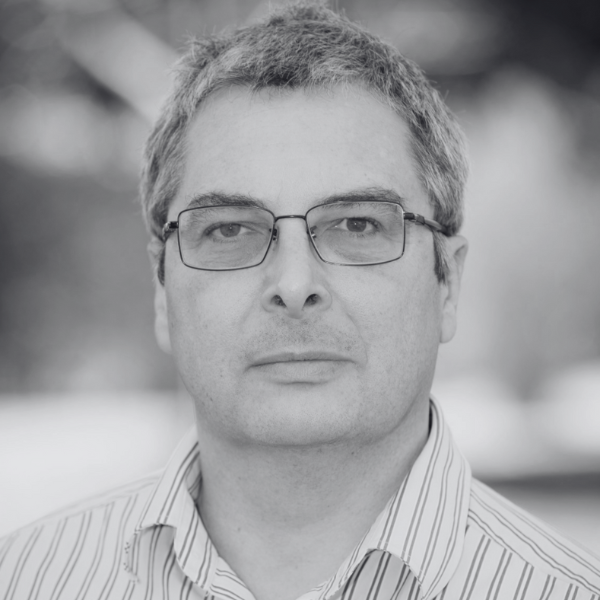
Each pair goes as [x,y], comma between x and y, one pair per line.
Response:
[227,238]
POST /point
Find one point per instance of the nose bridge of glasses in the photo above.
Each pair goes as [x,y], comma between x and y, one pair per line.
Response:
[276,231]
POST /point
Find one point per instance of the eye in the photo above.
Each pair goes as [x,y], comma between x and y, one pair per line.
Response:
[229,229]
[220,231]
[357,225]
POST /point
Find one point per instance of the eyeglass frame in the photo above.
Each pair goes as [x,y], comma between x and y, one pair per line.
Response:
[170,226]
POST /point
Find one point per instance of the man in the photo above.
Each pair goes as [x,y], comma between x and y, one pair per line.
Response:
[303,188]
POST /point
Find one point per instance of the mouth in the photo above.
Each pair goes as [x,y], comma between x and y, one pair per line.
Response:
[299,357]
[308,367]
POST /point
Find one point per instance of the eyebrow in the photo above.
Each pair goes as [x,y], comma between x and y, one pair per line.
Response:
[369,194]
[222,199]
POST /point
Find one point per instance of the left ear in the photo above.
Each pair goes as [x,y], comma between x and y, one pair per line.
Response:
[456,250]
[161,317]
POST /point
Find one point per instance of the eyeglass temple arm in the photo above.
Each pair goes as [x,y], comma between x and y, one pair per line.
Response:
[168,228]
[421,220]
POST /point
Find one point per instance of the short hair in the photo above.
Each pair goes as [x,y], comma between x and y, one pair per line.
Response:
[306,45]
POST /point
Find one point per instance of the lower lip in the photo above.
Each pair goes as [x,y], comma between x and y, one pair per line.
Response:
[302,371]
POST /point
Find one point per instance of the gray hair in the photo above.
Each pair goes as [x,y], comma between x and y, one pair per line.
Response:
[307,45]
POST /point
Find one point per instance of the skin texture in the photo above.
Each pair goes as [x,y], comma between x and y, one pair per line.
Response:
[284,443]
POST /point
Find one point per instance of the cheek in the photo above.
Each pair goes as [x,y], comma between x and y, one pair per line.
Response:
[399,320]
[205,321]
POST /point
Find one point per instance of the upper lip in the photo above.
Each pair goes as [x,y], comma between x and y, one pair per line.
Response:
[291,356]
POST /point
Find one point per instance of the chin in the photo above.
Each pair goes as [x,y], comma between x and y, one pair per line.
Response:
[299,425]
[314,427]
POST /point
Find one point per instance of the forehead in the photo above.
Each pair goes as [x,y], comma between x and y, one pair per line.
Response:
[292,149]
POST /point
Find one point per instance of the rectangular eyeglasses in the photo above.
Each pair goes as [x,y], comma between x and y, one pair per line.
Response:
[353,233]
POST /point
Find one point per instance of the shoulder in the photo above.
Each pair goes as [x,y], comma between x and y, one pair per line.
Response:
[509,531]
[71,542]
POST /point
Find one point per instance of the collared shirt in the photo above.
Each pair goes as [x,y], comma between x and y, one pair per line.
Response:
[442,536]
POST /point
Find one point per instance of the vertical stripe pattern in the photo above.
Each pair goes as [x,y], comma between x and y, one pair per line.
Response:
[442,536]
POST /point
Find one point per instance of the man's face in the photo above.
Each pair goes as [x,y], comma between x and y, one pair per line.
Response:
[296,351]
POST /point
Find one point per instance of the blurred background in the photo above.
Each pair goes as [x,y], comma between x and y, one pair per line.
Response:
[87,401]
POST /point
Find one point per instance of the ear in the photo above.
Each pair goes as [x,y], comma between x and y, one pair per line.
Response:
[161,317]
[456,250]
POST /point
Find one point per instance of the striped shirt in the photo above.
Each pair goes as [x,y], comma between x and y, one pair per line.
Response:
[442,536]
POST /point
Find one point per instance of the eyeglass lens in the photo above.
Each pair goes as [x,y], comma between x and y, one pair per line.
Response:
[235,237]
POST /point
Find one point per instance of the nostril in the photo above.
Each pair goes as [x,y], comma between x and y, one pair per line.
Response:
[312,299]
[278,300]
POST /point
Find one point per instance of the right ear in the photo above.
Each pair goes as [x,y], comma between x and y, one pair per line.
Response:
[161,317]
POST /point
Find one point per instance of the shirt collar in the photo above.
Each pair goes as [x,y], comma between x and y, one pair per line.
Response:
[423,524]
[172,503]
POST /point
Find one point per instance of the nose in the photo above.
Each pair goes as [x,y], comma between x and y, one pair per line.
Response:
[295,281]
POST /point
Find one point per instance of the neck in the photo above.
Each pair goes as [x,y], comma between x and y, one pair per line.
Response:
[295,514]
